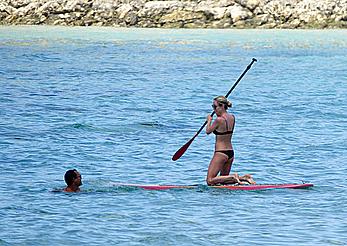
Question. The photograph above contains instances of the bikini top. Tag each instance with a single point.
(215, 132)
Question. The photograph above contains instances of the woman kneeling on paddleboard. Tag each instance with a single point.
(223, 157)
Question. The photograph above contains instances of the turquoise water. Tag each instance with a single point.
(117, 103)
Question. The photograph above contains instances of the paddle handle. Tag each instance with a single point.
(232, 88)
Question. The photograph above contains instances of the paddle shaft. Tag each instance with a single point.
(183, 149)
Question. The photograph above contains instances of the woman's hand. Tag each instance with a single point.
(208, 125)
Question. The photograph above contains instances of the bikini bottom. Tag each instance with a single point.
(229, 153)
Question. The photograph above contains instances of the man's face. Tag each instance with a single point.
(78, 179)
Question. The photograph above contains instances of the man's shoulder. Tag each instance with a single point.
(69, 189)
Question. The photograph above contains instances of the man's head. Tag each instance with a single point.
(73, 177)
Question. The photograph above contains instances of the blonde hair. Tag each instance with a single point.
(223, 100)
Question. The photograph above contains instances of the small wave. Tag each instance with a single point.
(4, 243)
(151, 124)
(79, 126)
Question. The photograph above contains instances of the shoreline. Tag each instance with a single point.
(204, 14)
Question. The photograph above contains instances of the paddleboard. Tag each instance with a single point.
(229, 187)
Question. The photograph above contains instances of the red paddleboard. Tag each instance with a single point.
(229, 187)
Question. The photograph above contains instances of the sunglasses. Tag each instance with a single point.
(214, 106)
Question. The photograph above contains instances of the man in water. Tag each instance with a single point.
(73, 179)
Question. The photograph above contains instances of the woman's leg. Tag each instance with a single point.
(227, 167)
(217, 164)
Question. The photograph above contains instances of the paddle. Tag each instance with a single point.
(183, 149)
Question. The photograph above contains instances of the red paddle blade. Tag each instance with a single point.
(183, 149)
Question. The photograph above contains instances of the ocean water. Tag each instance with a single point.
(117, 103)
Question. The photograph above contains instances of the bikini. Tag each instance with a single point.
(229, 153)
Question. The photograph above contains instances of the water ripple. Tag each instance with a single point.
(117, 103)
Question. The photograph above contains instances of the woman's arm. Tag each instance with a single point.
(210, 127)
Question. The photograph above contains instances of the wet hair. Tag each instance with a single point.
(223, 100)
(69, 176)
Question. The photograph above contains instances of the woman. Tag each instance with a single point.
(223, 156)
